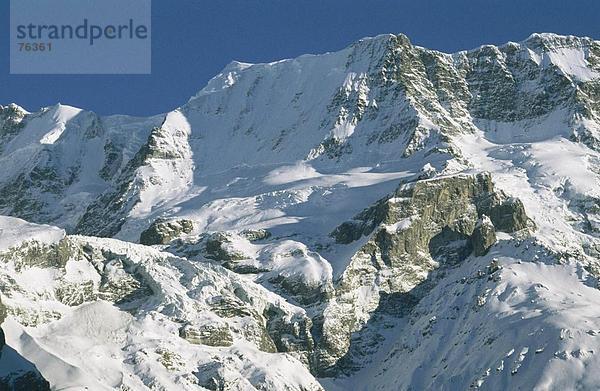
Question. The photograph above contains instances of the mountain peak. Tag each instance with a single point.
(548, 41)
(13, 107)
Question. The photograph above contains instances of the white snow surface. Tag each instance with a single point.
(101, 345)
(13, 232)
(533, 327)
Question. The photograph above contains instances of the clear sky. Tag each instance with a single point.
(192, 40)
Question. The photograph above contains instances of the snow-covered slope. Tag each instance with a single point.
(513, 319)
(383, 216)
(107, 315)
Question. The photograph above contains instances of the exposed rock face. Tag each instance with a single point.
(255, 235)
(425, 225)
(11, 120)
(19, 198)
(162, 232)
(483, 236)
(28, 381)
(218, 247)
(107, 214)
(209, 334)
(507, 215)
(218, 376)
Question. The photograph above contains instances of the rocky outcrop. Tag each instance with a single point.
(232, 375)
(44, 255)
(424, 226)
(208, 334)
(506, 214)
(164, 231)
(483, 236)
(20, 197)
(11, 120)
(24, 381)
(255, 235)
(218, 246)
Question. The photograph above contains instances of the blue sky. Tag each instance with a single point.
(194, 39)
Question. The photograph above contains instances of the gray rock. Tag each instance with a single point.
(425, 225)
(163, 231)
(217, 248)
(208, 334)
(217, 376)
(24, 381)
(509, 215)
(255, 235)
(11, 120)
(483, 236)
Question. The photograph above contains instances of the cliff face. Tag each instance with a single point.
(425, 225)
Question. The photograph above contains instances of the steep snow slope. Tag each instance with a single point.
(514, 319)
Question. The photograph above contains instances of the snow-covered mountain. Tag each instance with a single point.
(381, 217)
